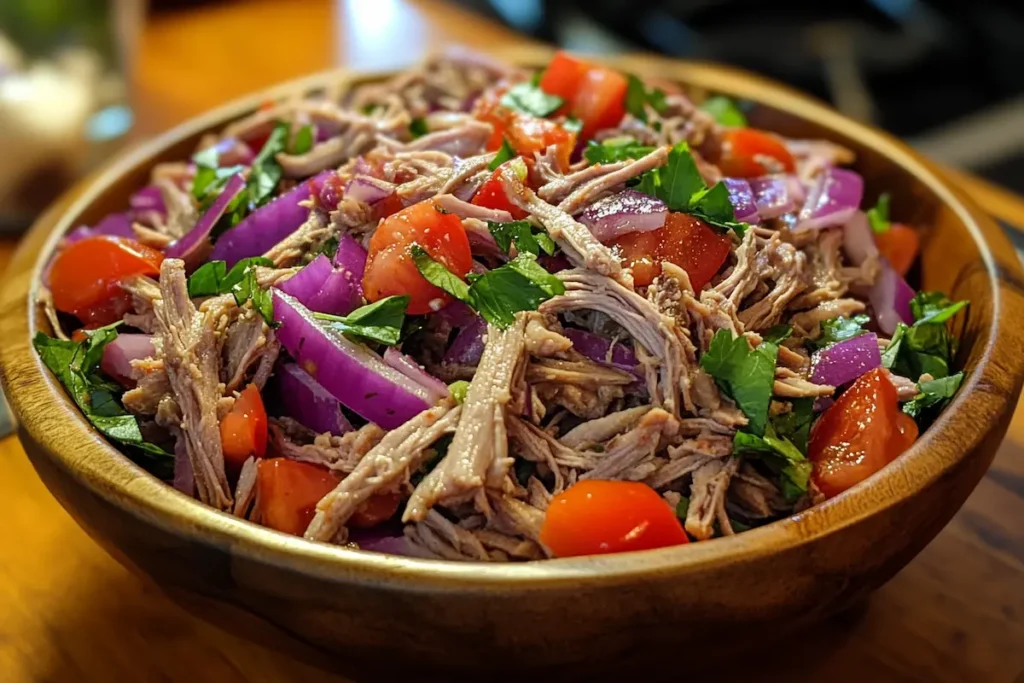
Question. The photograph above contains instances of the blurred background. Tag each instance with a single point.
(81, 78)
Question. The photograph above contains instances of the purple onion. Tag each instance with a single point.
(148, 199)
(351, 259)
(119, 354)
(352, 373)
(456, 314)
(411, 369)
(382, 539)
(890, 298)
(595, 347)
(468, 345)
(623, 213)
(184, 477)
(833, 199)
(114, 225)
(306, 283)
(858, 239)
(368, 190)
(741, 196)
(192, 247)
(303, 399)
(339, 294)
(845, 361)
(772, 196)
(267, 225)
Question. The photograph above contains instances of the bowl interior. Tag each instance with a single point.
(964, 254)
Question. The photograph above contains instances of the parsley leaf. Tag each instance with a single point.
(746, 375)
(530, 99)
(679, 184)
(303, 139)
(725, 111)
(837, 330)
(522, 234)
(777, 334)
(615, 149)
(878, 217)
(418, 127)
(573, 125)
(933, 307)
(683, 507)
(76, 366)
(781, 456)
(519, 285)
(458, 390)
(796, 424)
(638, 96)
(329, 248)
(934, 396)
(379, 322)
(504, 154)
(210, 179)
(213, 278)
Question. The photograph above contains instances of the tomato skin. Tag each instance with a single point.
(390, 269)
(859, 434)
(243, 431)
(594, 94)
(492, 195)
(379, 508)
(748, 153)
(899, 245)
(597, 517)
(86, 274)
(288, 492)
(528, 135)
(563, 77)
(684, 240)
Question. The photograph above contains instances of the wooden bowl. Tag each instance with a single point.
(379, 613)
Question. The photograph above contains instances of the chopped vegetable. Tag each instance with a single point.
(458, 390)
(303, 139)
(833, 200)
(878, 216)
(305, 400)
(638, 97)
(899, 245)
(746, 375)
(243, 431)
(862, 432)
(492, 195)
(748, 153)
(625, 212)
(837, 330)
(890, 297)
(214, 278)
(777, 334)
(119, 353)
(685, 240)
(933, 398)
(741, 196)
(601, 350)
(411, 369)
(288, 492)
(725, 111)
(615, 149)
(523, 235)
(596, 517)
(594, 94)
(418, 127)
(781, 456)
(505, 153)
(845, 361)
(773, 195)
(926, 346)
(379, 322)
(529, 99)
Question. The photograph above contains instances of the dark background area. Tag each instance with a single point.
(946, 76)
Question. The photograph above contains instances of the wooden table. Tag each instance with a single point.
(70, 613)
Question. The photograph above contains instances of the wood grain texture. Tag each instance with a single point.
(71, 613)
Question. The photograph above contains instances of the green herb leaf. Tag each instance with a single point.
(379, 322)
(303, 139)
(329, 248)
(933, 308)
(796, 424)
(837, 330)
(683, 507)
(504, 154)
(530, 99)
(210, 179)
(746, 375)
(638, 97)
(458, 390)
(615, 149)
(913, 351)
(781, 456)
(213, 278)
(522, 234)
(418, 127)
(76, 366)
(438, 275)
(878, 217)
(777, 334)
(934, 396)
(714, 208)
(573, 125)
(725, 111)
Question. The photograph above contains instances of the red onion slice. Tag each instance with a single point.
(411, 369)
(835, 197)
(741, 196)
(303, 399)
(890, 298)
(118, 355)
(306, 283)
(623, 213)
(772, 196)
(184, 477)
(468, 344)
(193, 246)
(368, 190)
(595, 347)
(858, 239)
(845, 361)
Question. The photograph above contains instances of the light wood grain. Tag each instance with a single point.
(69, 612)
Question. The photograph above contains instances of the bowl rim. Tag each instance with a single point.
(103, 470)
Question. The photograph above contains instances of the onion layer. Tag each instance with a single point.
(623, 213)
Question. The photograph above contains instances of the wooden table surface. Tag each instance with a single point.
(70, 614)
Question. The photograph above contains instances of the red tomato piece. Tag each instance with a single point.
(529, 134)
(563, 77)
(597, 517)
(288, 492)
(85, 276)
(899, 245)
(859, 434)
(748, 152)
(390, 269)
(492, 195)
(243, 431)
(379, 508)
(686, 241)
(601, 100)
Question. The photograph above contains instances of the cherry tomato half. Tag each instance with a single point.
(859, 434)
(594, 94)
(748, 153)
(596, 517)
(243, 431)
(686, 241)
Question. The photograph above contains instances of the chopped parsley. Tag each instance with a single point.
(379, 322)
(303, 139)
(418, 127)
(926, 346)
(523, 235)
(328, 248)
(210, 179)
(573, 125)
(679, 184)
(76, 365)
(725, 111)
(615, 149)
(796, 424)
(528, 98)
(214, 278)
(934, 396)
(878, 217)
(781, 456)
(519, 285)
(504, 154)
(837, 330)
(746, 375)
(777, 334)
(638, 97)
(934, 307)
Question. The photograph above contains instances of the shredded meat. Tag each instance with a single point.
(245, 490)
(541, 340)
(339, 453)
(784, 264)
(906, 388)
(478, 454)
(193, 369)
(806, 323)
(603, 428)
(463, 140)
(789, 384)
(639, 443)
(248, 342)
(707, 498)
(288, 251)
(463, 209)
(182, 213)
